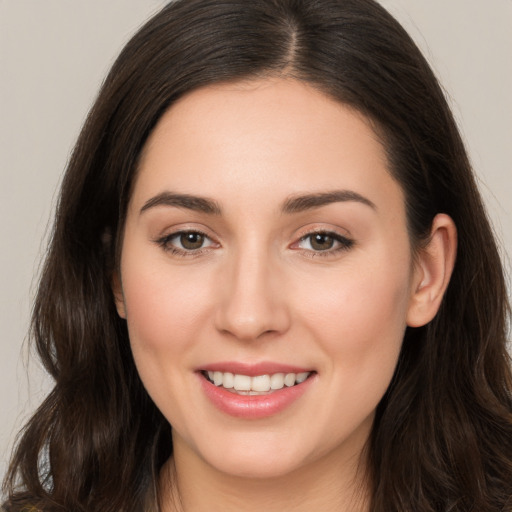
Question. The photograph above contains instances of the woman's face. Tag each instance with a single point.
(265, 244)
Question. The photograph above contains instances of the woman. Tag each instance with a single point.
(269, 237)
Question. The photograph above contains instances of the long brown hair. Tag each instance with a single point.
(442, 437)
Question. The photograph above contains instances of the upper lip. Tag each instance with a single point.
(252, 369)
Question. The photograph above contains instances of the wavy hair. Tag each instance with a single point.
(442, 436)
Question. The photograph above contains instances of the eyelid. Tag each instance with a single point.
(344, 241)
(164, 241)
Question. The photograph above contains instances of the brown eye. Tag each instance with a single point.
(321, 242)
(191, 240)
(324, 243)
(186, 242)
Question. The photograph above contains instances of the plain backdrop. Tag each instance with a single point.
(53, 57)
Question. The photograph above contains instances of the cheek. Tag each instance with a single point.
(164, 309)
(359, 319)
(165, 315)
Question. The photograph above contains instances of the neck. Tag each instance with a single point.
(331, 483)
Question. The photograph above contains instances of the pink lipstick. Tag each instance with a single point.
(253, 391)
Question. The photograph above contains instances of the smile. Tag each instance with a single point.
(255, 385)
(254, 392)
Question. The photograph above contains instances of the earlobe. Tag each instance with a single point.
(433, 270)
(117, 291)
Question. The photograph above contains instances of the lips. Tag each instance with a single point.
(254, 391)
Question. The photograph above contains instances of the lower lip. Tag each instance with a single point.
(253, 406)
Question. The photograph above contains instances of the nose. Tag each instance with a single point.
(252, 299)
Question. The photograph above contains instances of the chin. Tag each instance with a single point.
(256, 468)
(253, 456)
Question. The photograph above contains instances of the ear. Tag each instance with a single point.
(432, 272)
(117, 290)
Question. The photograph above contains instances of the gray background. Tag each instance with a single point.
(53, 56)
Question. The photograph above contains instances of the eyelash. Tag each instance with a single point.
(165, 243)
(344, 244)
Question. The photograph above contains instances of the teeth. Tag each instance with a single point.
(301, 377)
(289, 379)
(228, 380)
(277, 381)
(241, 383)
(217, 378)
(259, 383)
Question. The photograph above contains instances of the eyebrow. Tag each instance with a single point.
(316, 200)
(294, 204)
(190, 202)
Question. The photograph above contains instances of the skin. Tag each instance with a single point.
(258, 290)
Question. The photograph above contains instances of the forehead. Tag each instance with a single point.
(264, 138)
